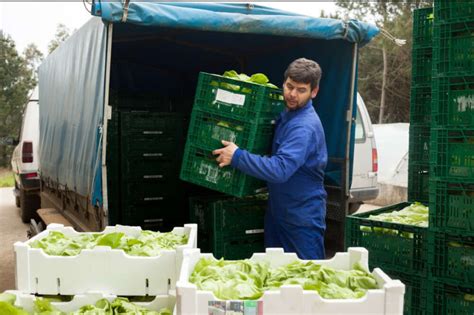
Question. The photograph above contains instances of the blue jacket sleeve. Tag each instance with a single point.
(291, 154)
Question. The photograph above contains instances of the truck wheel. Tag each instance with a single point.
(29, 203)
(17, 198)
(353, 207)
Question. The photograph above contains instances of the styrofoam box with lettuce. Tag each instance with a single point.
(27, 301)
(102, 268)
(292, 299)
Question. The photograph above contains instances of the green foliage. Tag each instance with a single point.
(396, 18)
(148, 243)
(16, 83)
(7, 179)
(248, 280)
(62, 33)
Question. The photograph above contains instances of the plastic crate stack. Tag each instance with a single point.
(451, 235)
(237, 111)
(231, 228)
(144, 154)
(98, 273)
(420, 106)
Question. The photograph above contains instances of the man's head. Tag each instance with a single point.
(301, 82)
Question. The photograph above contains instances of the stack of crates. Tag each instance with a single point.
(402, 250)
(232, 110)
(230, 228)
(144, 154)
(451, 235)
(420, 106)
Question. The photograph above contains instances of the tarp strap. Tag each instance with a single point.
(125, 11)
(346, 29)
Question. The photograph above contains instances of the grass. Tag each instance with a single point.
(6, 178)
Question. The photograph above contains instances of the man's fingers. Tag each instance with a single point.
(216, 152)
(221, 164)
(225, 143)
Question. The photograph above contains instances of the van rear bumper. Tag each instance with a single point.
(362, 194)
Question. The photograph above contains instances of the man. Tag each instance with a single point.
(295, 219)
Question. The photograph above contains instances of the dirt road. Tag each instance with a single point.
(11, 230)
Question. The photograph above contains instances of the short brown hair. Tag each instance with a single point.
(304, 70)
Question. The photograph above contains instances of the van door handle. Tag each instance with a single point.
(372, 174)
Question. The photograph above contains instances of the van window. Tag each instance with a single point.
(359, 128)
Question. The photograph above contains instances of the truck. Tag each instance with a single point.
(116, 97)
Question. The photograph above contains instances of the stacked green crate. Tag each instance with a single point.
(229, 227)
(420, 106)
(150, 155)
(400, 250)
(451, 235)
(232, 110)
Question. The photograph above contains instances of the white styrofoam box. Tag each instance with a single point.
(26, 301)
(99, 269)
(292, 299)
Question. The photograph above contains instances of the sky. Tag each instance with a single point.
(36, 22)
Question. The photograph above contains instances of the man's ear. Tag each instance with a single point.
(314, 92)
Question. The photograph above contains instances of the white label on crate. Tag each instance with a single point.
(152, 154)
(256, 231)
(158, 132)
(230, 98)
(152, 176)
(152, 198)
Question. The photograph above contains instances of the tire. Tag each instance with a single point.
(29, 203)
(17, 198)
(353, 207)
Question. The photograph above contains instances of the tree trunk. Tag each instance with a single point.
(384, 83)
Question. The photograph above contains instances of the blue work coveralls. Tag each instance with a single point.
(295, 219)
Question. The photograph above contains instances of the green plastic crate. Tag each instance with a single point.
(200, 167)
(452, 155)
(151, 146)
(419, 144)
(152, 123)
(416, 291)
(453, 101)
(403, 249)
(161, 217)
(447, 299)
(453, 49)
(151, 194)
(420, 105)
(419, 182)
(149, 169)
(453, 10)
(209, 129)
(422, 67)
(452, 257)
(452, 206)
(229, 227)
(237, 99)
(422, 27)
(239, 248)
(229, 217)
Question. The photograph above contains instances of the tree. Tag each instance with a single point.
(15, 86)
(62, 33)
(33, 57)
(384, 68)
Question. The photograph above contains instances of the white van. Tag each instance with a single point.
(25, 162)
(365, 165)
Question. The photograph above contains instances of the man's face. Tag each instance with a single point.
(297, 94)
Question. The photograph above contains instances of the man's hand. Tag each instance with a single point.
(226, 153)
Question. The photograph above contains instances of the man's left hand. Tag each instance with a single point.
(226, 153)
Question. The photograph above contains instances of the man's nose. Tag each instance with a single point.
(293, 92)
